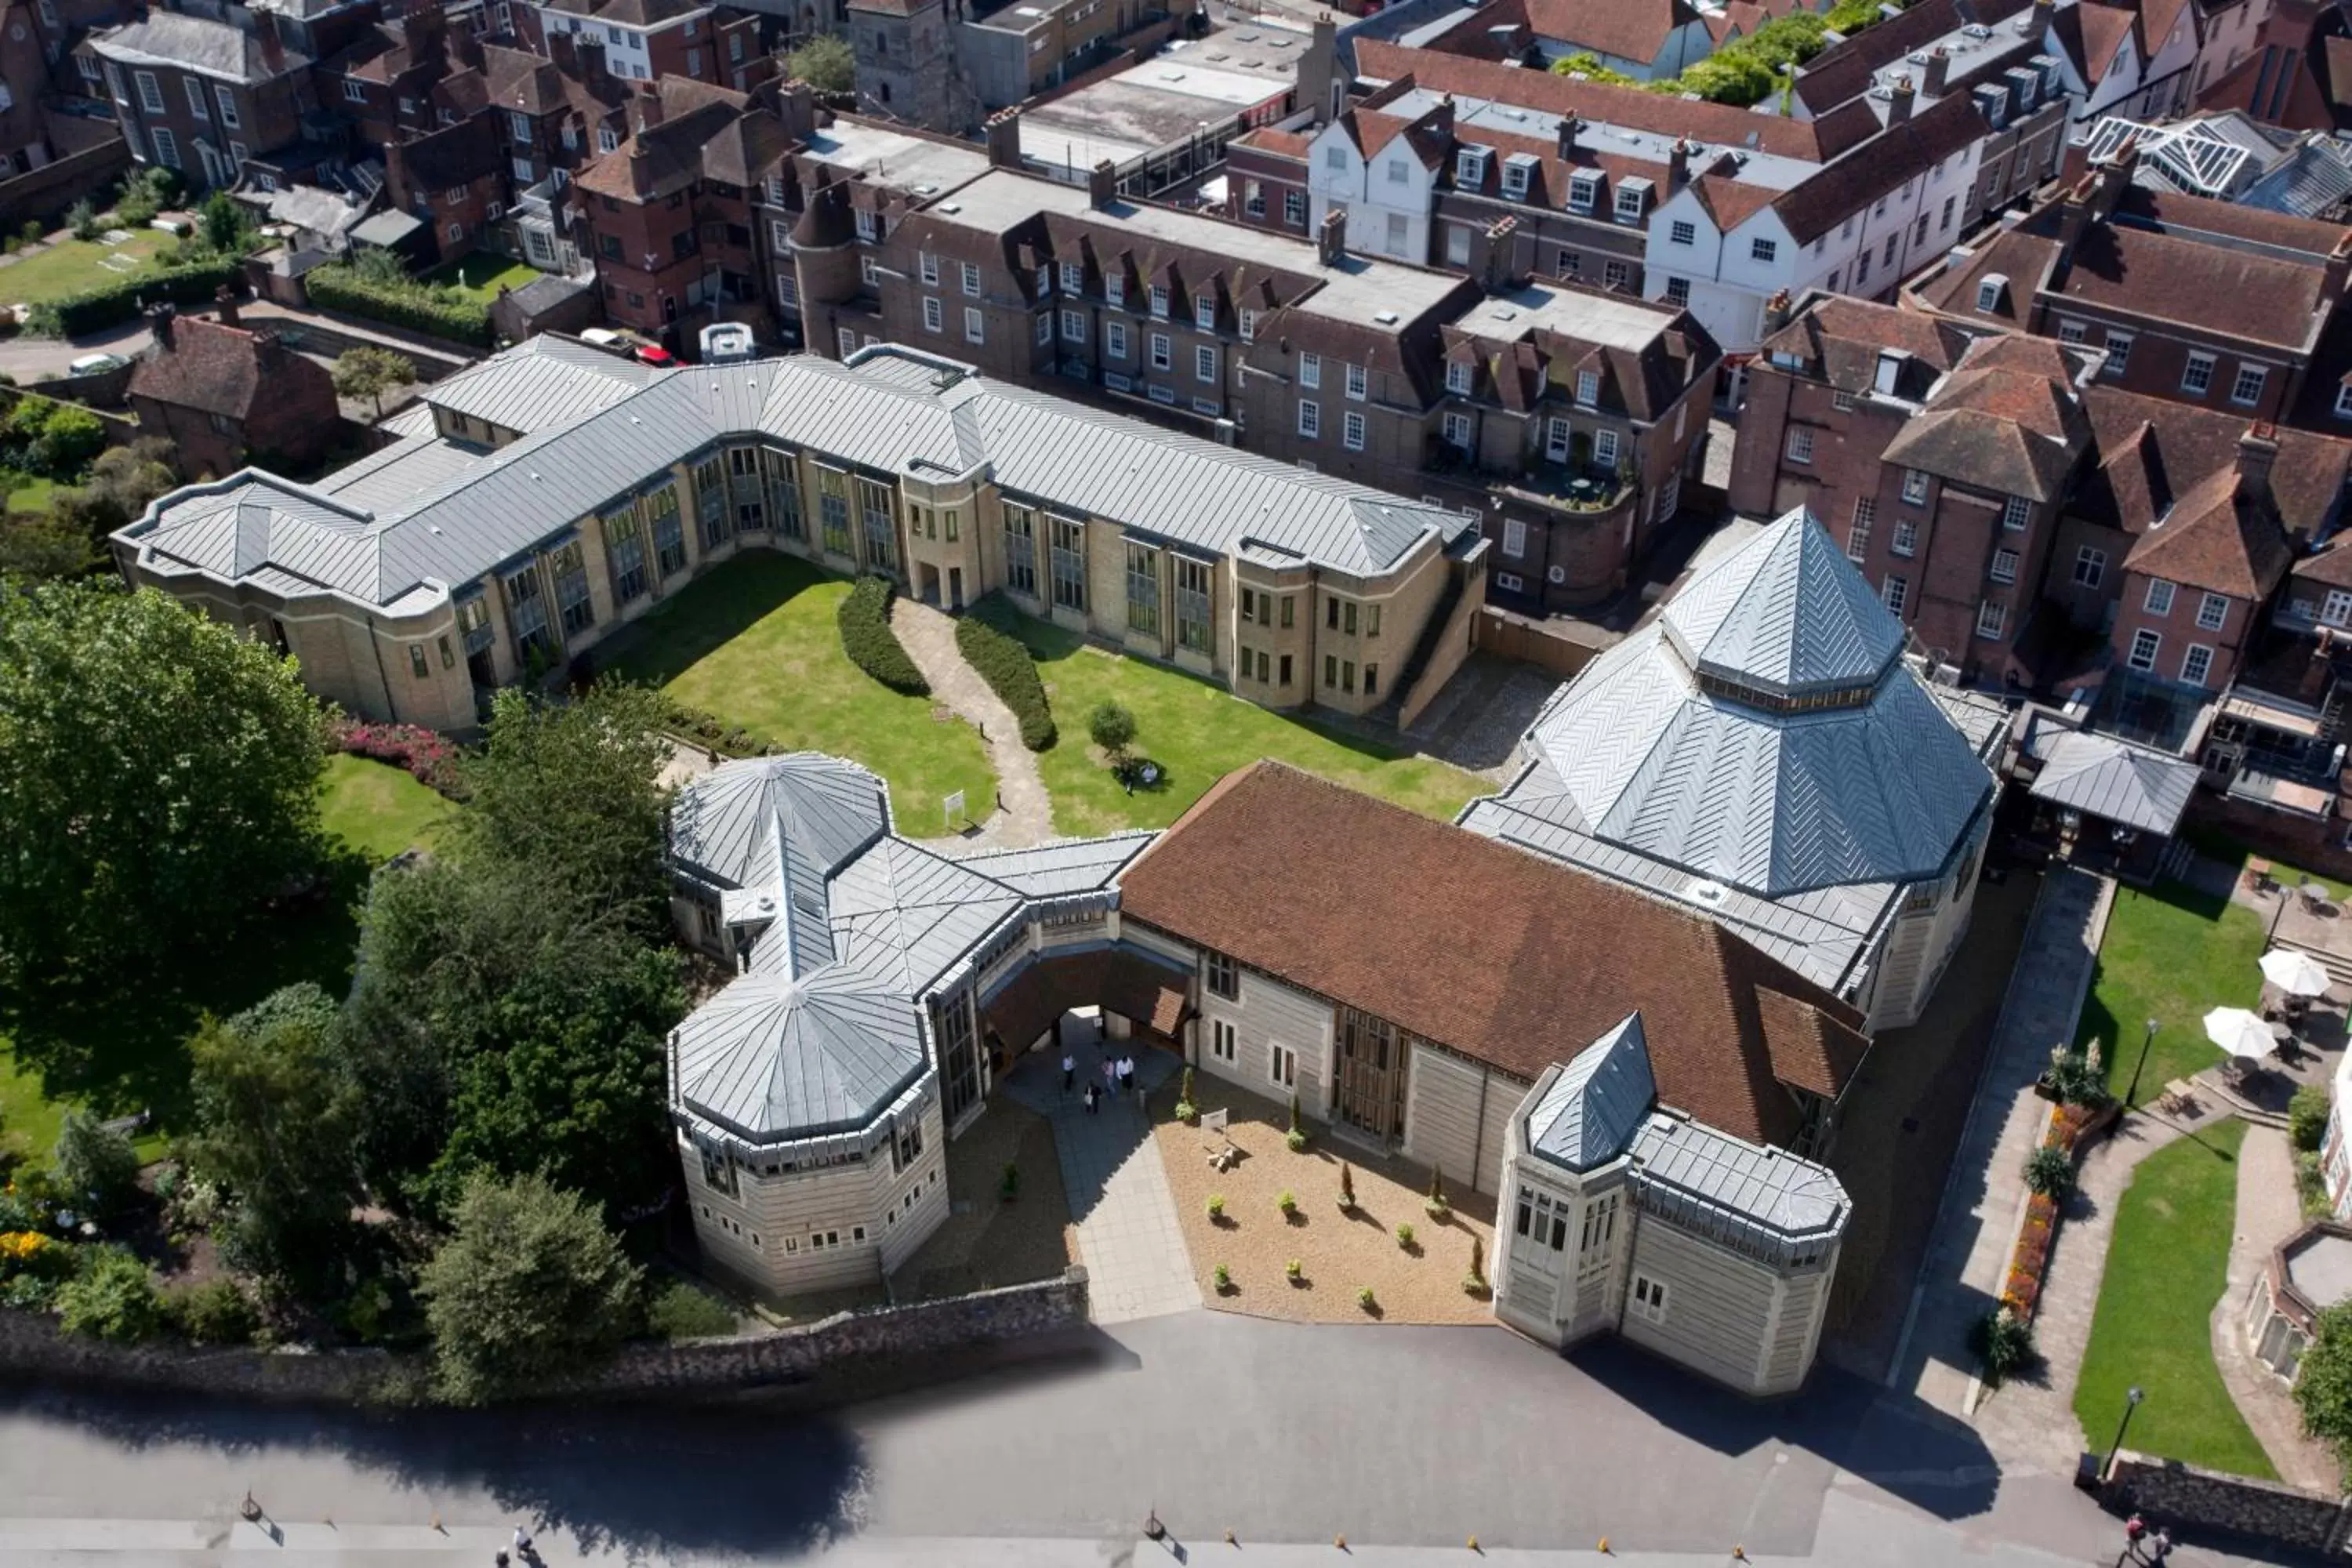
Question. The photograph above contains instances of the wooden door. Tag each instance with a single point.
(1370, 1073)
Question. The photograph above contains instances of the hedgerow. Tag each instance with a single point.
(1005, 662)
(871, 645)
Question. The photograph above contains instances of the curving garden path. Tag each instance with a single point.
(1024, 811)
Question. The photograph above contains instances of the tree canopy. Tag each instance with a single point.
(529, 1285)
(2323, 1386)
(825, 63)
(370, 372)
(159, 778)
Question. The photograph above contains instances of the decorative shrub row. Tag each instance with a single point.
(1003, 661)
(411, 306)
(871, 645)
(2070, 1126)
(111, 304)
(429, 757)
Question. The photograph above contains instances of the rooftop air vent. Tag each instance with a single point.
(1705, 894)
(1385, 318)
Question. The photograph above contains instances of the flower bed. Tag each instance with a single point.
(2071, 1127)
(427, 756)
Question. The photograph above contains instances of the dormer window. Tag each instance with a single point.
(1632, 199)
(1519, 173)
(1584, 190)
(1115, 287)
(1044, 280)
(868, 228)
(1470, 167)
(1588, 387)
(1204, 313)
(1074, 278)
(1160, 301)
(1457, 379)
(1989, 289)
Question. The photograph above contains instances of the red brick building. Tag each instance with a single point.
(224, 395)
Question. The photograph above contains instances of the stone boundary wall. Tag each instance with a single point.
(851, 1345)
(2208, 1505)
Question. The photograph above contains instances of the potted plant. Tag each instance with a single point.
(1289, 1204)
(1295, 1271)
(1404, 1237)
(1216, 1208)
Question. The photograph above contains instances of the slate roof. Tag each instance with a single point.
(1191, 494)
(1592, 1109)
(196, 44)
(541, 382)
(1765, 1200)
(2153, 449)
(1648, 754)
(2116, 782)
(2005, 419)
(1488, 950)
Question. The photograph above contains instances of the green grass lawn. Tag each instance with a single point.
(125, 1053)
(2171, 955)
(756, 644)
(73, 265)
(379, 810)
(2166, 1268)
(1197, 732)
(27, 493)
(482, 273)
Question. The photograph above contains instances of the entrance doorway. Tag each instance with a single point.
(928, 580)
(955, 587)
(1371, 1074)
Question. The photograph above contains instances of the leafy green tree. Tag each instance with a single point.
(82, 218)
(274, 1134)
(1588, 65)
(373, 264)
(158, 777)
(98, 1170)
(370, 373)
(568, 796)
(112, 1296)
(70, 438)
(2323, 1386)
(37, 546)
(1112, 728)
(825, 63)
(227, 226)
(529, 1285)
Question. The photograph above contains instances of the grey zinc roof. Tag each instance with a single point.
(388, 479)
(1767, 800)
(723, 822)
(1058, 871)
(873, 414)
(1589, 1114)
(197, 44)
(1786, 612)
(544, 382)
(1766, 1201)
(814, 1055)
(2116, 782)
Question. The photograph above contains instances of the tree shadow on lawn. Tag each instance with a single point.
(705, 616)
(124, 1048)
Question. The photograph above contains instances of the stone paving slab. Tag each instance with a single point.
(2269, 1211)
(1128, 1237)
(1022, 812)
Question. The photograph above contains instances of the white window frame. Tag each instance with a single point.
(2004, 566)
(934, 315)
(1798, 447)
(975, 324)
(1073, 326)
(2197, 374)
(1515, 538)
(1992, 620)
(2147, 644)
(1310, 419)
(2202, 655)
(1648, 1298)
(971, 280)
(2157, 601)
(1205, 363)
(2246, 390)
(1351, 430)
(1358, 382)
(2212, 613)
(1225, 1041)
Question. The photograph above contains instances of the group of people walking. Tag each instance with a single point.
(1117, 1077)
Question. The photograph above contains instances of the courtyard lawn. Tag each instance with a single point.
(755, 642)
(71, 266)
(482, 273)
(1197, 732)
(27, 493)
(2166, 1268)
(2172, 954)
(379, 810)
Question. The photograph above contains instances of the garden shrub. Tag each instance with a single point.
(111, 304)
(1003, 661)
(429, 757)
(682, 1311)
(2050, 1171)
(213, 1313)
(110, 1297)
(2306, 1116)
(445, 312)
(2004, 1343)
(871, 645)
(55, 440)
(98, 1169)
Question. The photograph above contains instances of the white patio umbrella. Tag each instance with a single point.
(2240, 1033)
(2296, 973)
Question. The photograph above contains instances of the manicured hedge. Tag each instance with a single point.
(1004, 663)
(111, 304)
(413, 307)
(871, 645)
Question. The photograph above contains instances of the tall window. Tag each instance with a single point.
(1896, 593)
(569, 565)
(669, 531)
(1069, 563)
(2090, 566)
(625, 554)
(1857, 535)
(527, 615)
(1915, 487)
(2004, 566)
(2212, 612)
(833, 511)
(2145, 645)
(1220, 977)
(1143, 589)
(2248, 387)
(2159, 597)
(1358, 381)
(1800, 444)
(2196, 665)
(1992, 619)
(1021, 550)
(2198, 375)
(1192, 626)
(784, 492)
(881, 527)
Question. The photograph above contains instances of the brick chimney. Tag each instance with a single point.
(162, 316)
(1777, 311)
(465, 44)
(2257, 450)
(225, 298)
(1569, 126)
(1102, 185)
(1901, 95)
(1931, 75)
(2075, 217)
(2111, 176)
(1331, 240)
(273, 49)
(796, 107)
(1003, 135)
(1490, 255)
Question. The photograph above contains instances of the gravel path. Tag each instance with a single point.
(2268, 1212)
(1025, 812)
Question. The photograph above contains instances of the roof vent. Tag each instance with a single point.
(1705, 894)
(1385, 318)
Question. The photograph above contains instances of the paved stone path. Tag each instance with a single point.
(2268, 1212)
(1984, 1199)
(1128, 1237)
(1477, 720)
(1026, 814)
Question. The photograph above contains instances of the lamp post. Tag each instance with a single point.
(2131, 1095)
(2131, 1396)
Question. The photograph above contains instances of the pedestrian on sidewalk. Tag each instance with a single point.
(1069, 1072)
(2160, 1548)
(2133, 1529)
(1091, 1093)
(522, 1542)
(1110, 1076)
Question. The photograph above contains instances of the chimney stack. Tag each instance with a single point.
(225, 298)
(1102, 185)
(162, 316)
(1569, 126)
(1931, 76)
(796, 107)
(1320, 82)
(2336, 270)
(1678, 164)
(1490, 255)
(2257, 450)
(1777, 311)
(1003, 132)
(1331, 240)
(2109, 177)
(1898, 102)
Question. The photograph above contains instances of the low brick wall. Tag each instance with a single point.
(847, 1346)
(2207, 1505)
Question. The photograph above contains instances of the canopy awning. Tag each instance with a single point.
(2116, 782)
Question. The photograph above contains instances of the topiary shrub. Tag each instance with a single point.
(1288, 1202)
(2307, 1116)
(1295, 1271)
(1365, 1299)
(2050, 1171)
(1217, 1208)
(1474, 1283)
(871, 645)
(1347, 1186)
(1435, 1205)
(2003, 1341)
(1296, 1137)
(1404, 1237)
(1223, 1277)
(1003, 661)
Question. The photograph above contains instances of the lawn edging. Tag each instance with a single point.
(1005, 662)
(871, 645)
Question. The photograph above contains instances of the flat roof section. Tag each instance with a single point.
(1188, 87)
(911, 161)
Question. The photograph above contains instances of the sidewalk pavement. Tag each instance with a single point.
(2269, 1211)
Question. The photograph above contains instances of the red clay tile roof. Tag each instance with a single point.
(1505, 957)
(1630, 29)
(2217, 537)
(2105, 30)
(2184, 444)
(215, 368)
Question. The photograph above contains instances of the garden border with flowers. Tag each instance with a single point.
(425, 756)
(2070, 1127)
